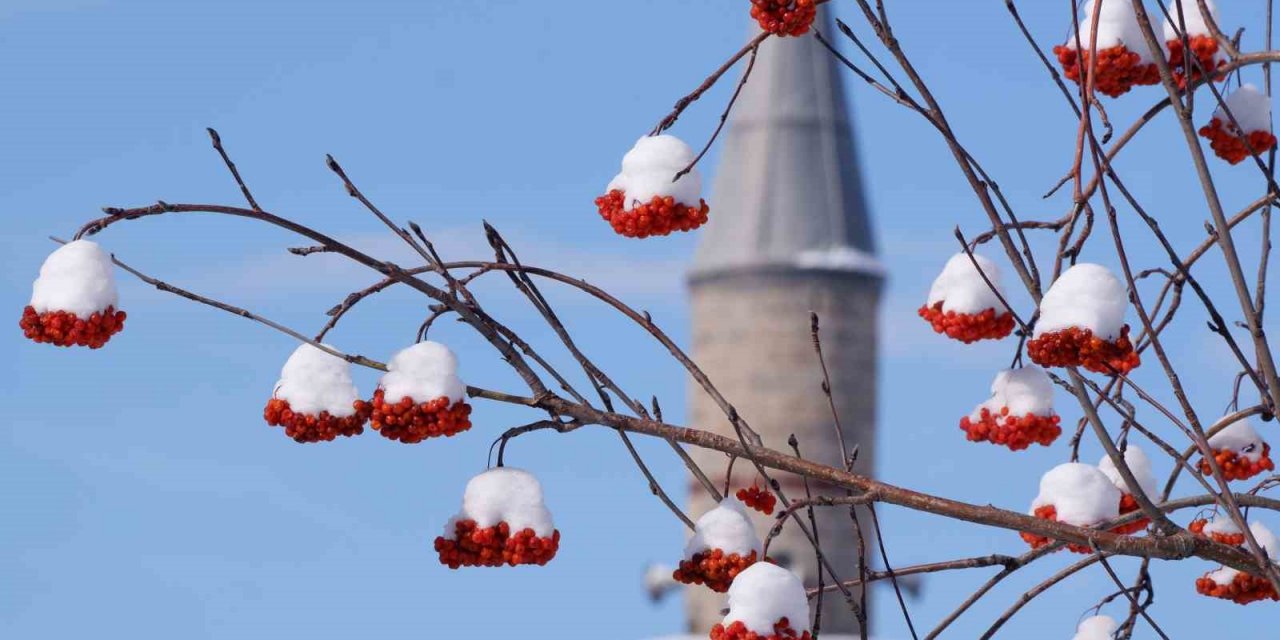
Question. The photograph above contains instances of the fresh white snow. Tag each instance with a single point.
(961, 288)
(726, 527)
(649, 166)
(1025, 391)
(314, 380)
(1088, 296)
(423, 372)
(506, 495)
(1266, 540)
(1251, 108)
(763, 594)
(78, 279)
(1097, 628)
(1117, 25)
(1140, 465)
(1222, 524)
(1191, 17)
(1240, 437)
(1081, 494)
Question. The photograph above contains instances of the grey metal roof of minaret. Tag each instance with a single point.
(788, 193)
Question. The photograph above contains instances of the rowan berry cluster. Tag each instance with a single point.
(306, 427)
(714, 568)
(1129, 504)
(1015, 432)
(1204, 48)
(782, 630)
(658, 217)
(1118, 69)
(1226, 142)
(1244, 588)
(411, 422)
(1238, 467)
(1078, 347)
(1197, 527)
(495, 546)
(757, 498)
(968, 327)
(784, 17)
(65, 329)
(1049, 512)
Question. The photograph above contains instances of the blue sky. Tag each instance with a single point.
(142, 494)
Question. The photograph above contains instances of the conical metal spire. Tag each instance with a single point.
(788, 192)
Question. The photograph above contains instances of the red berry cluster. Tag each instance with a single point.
(495, 546)
(782, 630)
(1227, 144)
(1015, 432)
(1243, 589)
(714, 568)
(784, 17)
(1237, 467)
(1129, 504)
(968, 327)
(758, 499)
(307, 427)
(1118, 70)
(1076, 347)
(411, 423)
(1049, 512)
(1197, 527)
(658, 217)
(1204, 48)
(64, 329)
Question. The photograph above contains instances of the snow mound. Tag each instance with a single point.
(1097, 628)
(78, 279)
(1080, 494)
(505, 495)
(313, 381)
(726, 527)
(765, 593)
(1267, 540)
(1140, 465)
(1222, 524)
(1117, 26)
(1251, 108)
(423, 372)
(1241, 438)
(960, 287)
(1192, 18)
(649, 166)
(1087, 296)
(1025, 391)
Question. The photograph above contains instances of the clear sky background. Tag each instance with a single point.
(141, 494)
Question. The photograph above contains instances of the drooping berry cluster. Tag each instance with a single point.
(306, 427)
(1204, 50)
(1238, 467)
(782, 630)
(784, 17)
(714, 568)
(495, 546)
(1197, 527)
(1227, 144)
(1077, 347)
(1049, 512)
(757, 498)
(1244, 588)
(411, 423)
(968, 327)
(658, 217)
(1129, 504)
(1118, 69)
(1015, 432)
(65, 329)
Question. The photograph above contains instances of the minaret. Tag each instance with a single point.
(789, 233)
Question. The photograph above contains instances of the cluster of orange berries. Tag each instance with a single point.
(782, 630)
(1015, 432)
(1129, 504)
(1204, 49)
(495, 546)
(658, 217)
(1197, 527)
(1227, 144)
(714, 568)
(1244, 588)
(306, 427)
(1049, 512)
(1237, 467)
(968, 327)
(65, 329)
(784, 17)
(758, 499)
(1118, 69)
(411, 422)
(1077, 347)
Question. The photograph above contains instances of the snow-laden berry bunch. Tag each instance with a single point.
(421, 395)
(784, 17)
(758, 498)
(1240, 587)
(724, 543)
(1221, 529)
(645, 199)
(1252, 112)
(315, 399)
(766, 602)
(73, 300)
(1140, 466)
(1205, 54)
(1097, 628)
(963, 306)
(1076, 494)
(1019, 412)
(1082, 323)
(1239, 451)
(1124, 61)
(503, 522)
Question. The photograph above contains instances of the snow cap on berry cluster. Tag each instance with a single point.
(765, 593)
(423, 372)
(648, 168)
(77, 278)
(726, 527)
(1117, 25)
(1087, 296)
(1025, 391)
(1222, 524)
(505, 495)
(1139, 465)
(1192, 18)
(1097, 628)
(1267, 540)
(314, 380)
(1241, 438)
(1080, 494)
(960, 287)
(1251, 108)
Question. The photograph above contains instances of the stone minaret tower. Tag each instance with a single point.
(789, 233)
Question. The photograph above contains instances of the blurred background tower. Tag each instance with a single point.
(789, 233)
